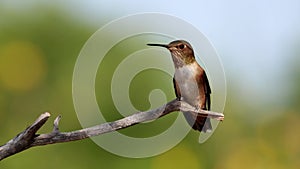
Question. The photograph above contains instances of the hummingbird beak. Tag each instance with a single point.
(161, 45)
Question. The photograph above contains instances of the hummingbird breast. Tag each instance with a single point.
(186, 78)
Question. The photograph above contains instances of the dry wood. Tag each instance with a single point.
(28, 138)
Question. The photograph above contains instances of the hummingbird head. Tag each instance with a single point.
(181, 51)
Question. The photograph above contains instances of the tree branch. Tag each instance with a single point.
(28, 138)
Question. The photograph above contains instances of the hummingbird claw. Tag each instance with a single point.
(220, 118)
(197, 108)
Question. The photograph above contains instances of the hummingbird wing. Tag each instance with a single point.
(203, 123)
(207, 91)
(177, 90)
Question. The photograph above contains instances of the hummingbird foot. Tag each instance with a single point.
(197, 108)
(179, 98)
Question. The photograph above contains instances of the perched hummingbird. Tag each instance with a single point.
(190, 82)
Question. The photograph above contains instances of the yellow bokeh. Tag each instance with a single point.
(291, 137)
(249, 154)
(178, 157)
(22, 66)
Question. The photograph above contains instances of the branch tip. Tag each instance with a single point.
(56, 123)
(46, 114)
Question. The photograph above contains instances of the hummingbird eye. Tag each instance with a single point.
(181, 46)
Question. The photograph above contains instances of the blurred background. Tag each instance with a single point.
(258, 43)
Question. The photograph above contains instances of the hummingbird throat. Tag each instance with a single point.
(180, 61)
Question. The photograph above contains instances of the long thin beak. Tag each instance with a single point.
(161, 45)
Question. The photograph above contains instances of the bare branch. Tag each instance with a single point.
(23, 140)
(28, 138)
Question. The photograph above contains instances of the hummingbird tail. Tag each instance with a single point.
(199, 123)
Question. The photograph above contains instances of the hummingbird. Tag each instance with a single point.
(190, 83)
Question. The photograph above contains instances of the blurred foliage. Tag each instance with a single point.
(38, 50)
